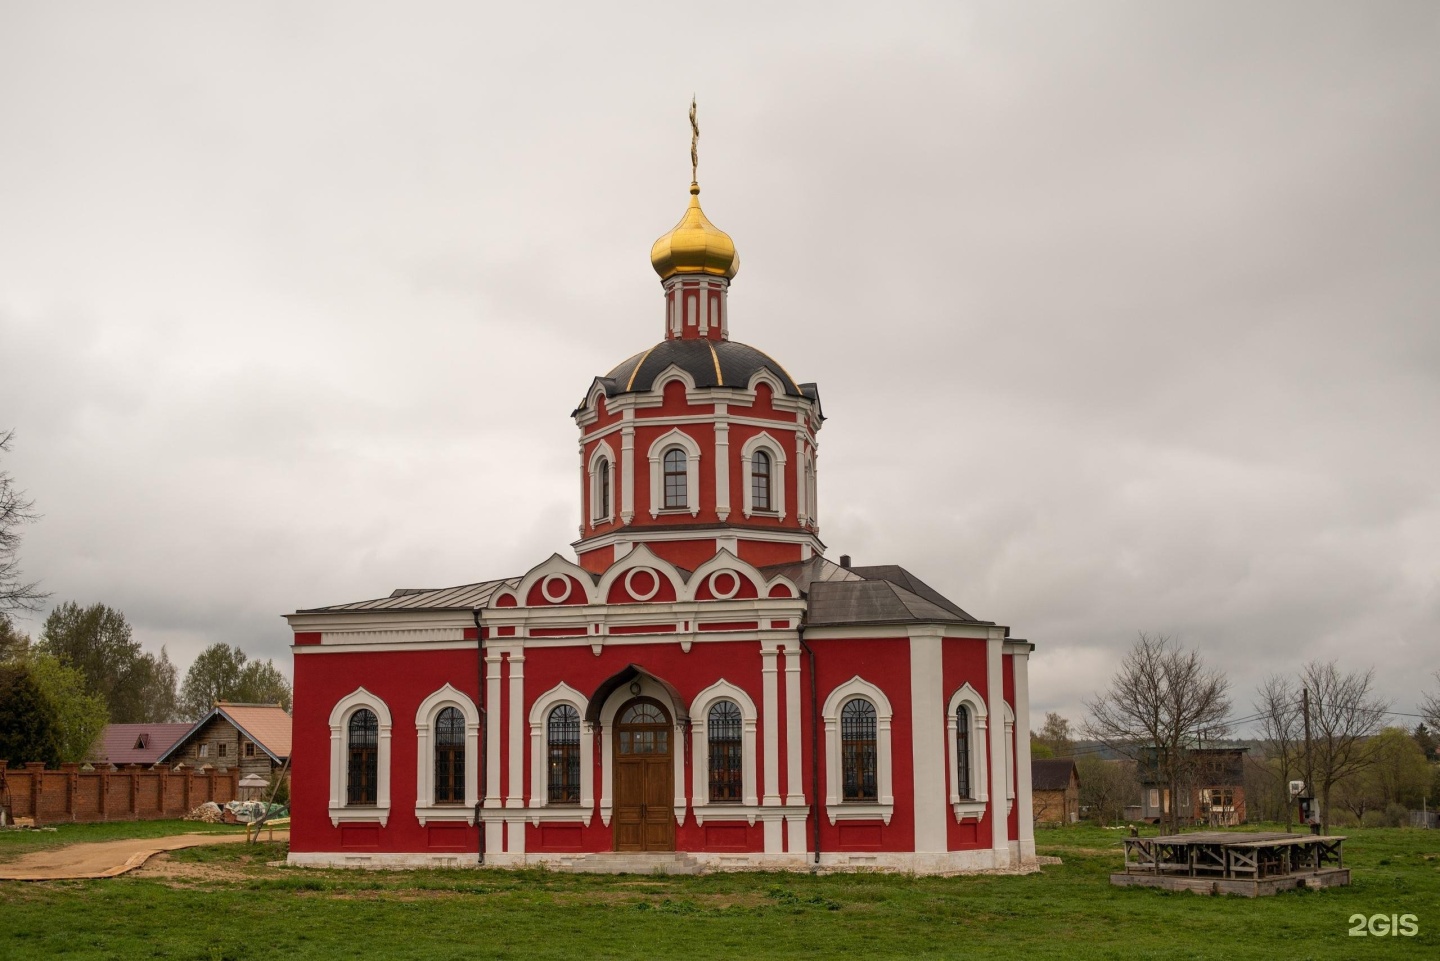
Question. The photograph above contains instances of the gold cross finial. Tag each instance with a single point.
(694, 143)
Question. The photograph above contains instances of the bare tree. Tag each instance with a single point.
(1106, 787)
(1344, 717)
(1162, 702)
(16, 510)
(1430, 707)
(1282, 728)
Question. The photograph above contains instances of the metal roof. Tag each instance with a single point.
(136, 743)
(712, 363)
(266, 724)
(1052, 774)
(463, 598)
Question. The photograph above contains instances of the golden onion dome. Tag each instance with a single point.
(695, 246)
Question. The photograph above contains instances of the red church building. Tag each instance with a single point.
(699, 680)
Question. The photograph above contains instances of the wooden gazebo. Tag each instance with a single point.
(1224, 862)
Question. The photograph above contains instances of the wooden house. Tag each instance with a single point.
(1056, 786)
(253, 738)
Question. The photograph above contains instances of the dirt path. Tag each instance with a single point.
(105, 859)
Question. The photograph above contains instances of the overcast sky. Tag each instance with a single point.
(1124, 315)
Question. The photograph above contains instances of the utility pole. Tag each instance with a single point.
(1309, 771)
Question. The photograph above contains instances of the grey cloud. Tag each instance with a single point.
(1123, 313)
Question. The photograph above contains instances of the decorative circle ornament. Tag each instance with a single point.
(564, 588)
(724, 593)
(642, 595)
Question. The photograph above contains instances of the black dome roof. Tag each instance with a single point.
(712, 363)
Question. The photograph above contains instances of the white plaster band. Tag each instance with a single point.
(642, 595)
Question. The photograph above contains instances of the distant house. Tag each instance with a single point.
(121, 744)
(255, 738)
(1213, 794)
(1056, 786)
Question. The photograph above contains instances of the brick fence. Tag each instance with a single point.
(131, 793)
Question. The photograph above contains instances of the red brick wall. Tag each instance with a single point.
(132, 793)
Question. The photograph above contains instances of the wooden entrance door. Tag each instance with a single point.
(644, 777)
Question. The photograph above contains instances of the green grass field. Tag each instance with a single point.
(225, 903)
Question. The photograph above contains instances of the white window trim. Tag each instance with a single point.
(763, 441)
(722, 690)
(561, 693)
(674, 438)
(425, 807)
(1009, 758)
(836, 807)
(603, 452)
(975, 806)
(339, 720)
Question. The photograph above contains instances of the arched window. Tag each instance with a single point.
(602, 484)
(675, 478)
(962, 752)
(760, 481)
(562, 739)
(450, 757)
(857, 750)
(723, 728)
(363, 739)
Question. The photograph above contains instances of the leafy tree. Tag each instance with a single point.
(1056, 735)
(1425, 740)
(27, 721)
(1398, 775)
(97, 641)
(78, 716)
(262, 683)
(13, 644)
(1161, 703)
(225, 673)
(16, 594)
(1039, 750)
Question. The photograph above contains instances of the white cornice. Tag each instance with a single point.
(386, 620)
(408, 646)
(901, 632)
(640, 534)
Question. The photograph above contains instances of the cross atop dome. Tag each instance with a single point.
(696, 261)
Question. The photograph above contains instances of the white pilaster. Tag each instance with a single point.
(1023, 796)
(770, 722)
(627, 467)
(794, 786)
(722, 461)
(927, 739)
(492, 736)
(515, 728)
(995, 707)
